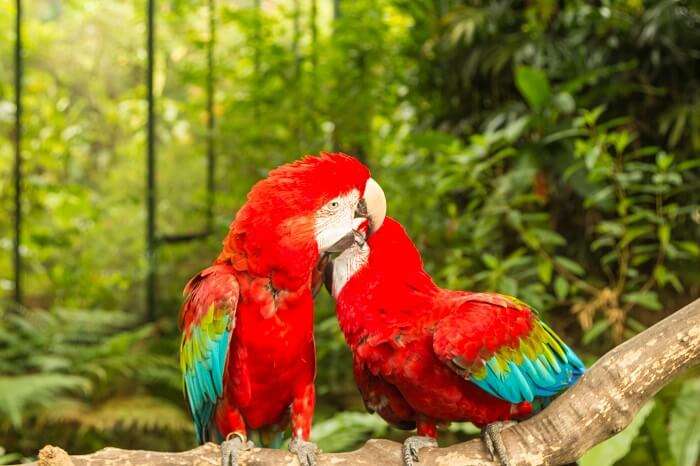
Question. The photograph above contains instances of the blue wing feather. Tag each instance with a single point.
(207, 323)
(204, 382)
(519, 375)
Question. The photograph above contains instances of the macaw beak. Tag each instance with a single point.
(369, 216)
(372, 206)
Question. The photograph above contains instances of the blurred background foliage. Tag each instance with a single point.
(548, 150)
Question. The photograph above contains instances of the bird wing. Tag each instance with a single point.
(499, 343)
(207, 320)
(383, 398)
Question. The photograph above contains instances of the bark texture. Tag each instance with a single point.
(600, 405)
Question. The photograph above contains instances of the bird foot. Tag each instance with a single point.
(491, 436)
(233, 445)
(412, 445)
(305, 451)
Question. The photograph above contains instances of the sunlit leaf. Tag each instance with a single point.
(561, 287)
(533, 85)
(615, 448)
(569, 265)
(647, 299)
(19, 393)
(346, 429)
(595, 331)
(490, 260)
(544, 270)
(684, 426)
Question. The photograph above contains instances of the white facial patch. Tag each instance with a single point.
(335, 220)
(347, 264)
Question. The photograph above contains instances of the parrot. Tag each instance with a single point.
(247, 353)
(424, 355)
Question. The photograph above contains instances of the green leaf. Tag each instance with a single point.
(561, 287)
(513, 130)
(565, 102)
(569, 265)
(656, 430)
(691, 247)
(605, 241)
(635, 325)
(590, 117)
(615, 448)
(684, 426)
(534, 86)
(664, 161)
(135, 413)
(347, 429)
(634, 233)
(548, 236)
(664, 234)
(562, 134)
(490, 260)
(647, 299)
(611, 228)
(600, 196)
(595, 331)
(508, 285)
(9, 458)
(591, 157)
(544, 270)
(661, 274)
(18, 394)
(463, 428)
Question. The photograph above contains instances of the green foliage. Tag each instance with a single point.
(98, 372)
(534, 86)
(8, 458)
(684, 427)
(573, 202)
(20, 393)
(546, 150)
(615, 448)
(344, 430)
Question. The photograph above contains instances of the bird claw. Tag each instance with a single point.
(491, 436)
(305, 451)
(232, 447)
(412, 445)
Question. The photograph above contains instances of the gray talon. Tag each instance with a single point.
(305, 451)
(231, 448)
(491, 436)
(412, 445)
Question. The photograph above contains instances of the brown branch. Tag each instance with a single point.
(603, 403)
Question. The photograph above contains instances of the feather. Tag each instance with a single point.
(206, 317)
(528, 361)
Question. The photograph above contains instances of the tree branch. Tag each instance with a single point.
(600, 405)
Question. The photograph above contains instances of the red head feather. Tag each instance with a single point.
(273, 233)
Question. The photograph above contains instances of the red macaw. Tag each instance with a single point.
(247, 352)
(425, 355)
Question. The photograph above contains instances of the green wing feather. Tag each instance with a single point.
(207, 321)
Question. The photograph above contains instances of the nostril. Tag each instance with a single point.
(361, 210)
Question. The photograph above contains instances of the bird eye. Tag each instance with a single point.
(335, 204)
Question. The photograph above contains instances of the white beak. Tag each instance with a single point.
(376, 204)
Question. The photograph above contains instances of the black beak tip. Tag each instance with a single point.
(328, 276)
(361, 210)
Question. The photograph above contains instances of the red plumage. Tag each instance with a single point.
(253, 309)
(417, 347)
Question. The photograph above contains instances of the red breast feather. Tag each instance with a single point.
(453, 355)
